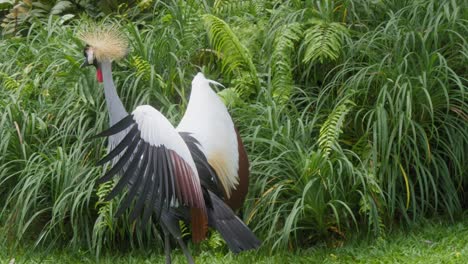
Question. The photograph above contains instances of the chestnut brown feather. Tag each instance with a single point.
(237, 198)
(199, 222)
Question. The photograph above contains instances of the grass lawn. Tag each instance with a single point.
(431, 242)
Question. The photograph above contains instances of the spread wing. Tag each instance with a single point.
(208, 123)
(157, 168)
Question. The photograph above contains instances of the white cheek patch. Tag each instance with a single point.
(90, 54)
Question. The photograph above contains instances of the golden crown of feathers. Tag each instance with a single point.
(108, 42)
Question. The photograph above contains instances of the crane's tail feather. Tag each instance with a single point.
(236, 233)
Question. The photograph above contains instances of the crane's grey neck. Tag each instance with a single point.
(114, 105)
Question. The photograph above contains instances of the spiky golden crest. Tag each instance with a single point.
(107, 43)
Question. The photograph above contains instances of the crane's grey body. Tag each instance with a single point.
(115, 106)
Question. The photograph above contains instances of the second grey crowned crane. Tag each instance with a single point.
(197, 172)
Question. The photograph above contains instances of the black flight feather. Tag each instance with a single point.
(166, 195)
(208, 176)
(124, 181)
(130, 172)
(127, 140)
(160, 191)
(135, 187)
(121, 162)
(153, 189)
(171, 175)
(117, 127)
(237, 235)
(146, 184)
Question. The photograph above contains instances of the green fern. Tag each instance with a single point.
(193, 28)
(323, 41)
(8, 82)
(281, 61)
(236, 6)
(104, 213)
(229, 96)
(234, 56)
(331, 128)
(184, 229)
(104, 221)
(214, 241)
(142, 67)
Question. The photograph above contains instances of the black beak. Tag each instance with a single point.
(85, 63)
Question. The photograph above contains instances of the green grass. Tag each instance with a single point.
(429, 242)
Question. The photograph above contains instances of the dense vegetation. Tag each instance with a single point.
(354, 113)
(436, 241)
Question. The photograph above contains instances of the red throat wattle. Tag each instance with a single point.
(99, 75)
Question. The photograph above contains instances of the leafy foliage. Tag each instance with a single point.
(236, 6)
(26, 11)
(235, 58)
(23, 13)
(281, 60)
(332, 128)
(353, 114)
(323, 41)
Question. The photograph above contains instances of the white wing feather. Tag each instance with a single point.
(157, 130)
(208, 120)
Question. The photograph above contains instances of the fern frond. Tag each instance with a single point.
(142, 67)
(281, 61)
(104, 219)
(229, 96)
(323, 41)
(193, 28)
(234, 56)
(184, 229)
(8, 82)
(331, 128)
(231, 7)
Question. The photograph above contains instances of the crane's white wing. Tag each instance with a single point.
(156, 166)
(209, 123)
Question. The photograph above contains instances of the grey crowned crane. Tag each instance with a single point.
(197, 172)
